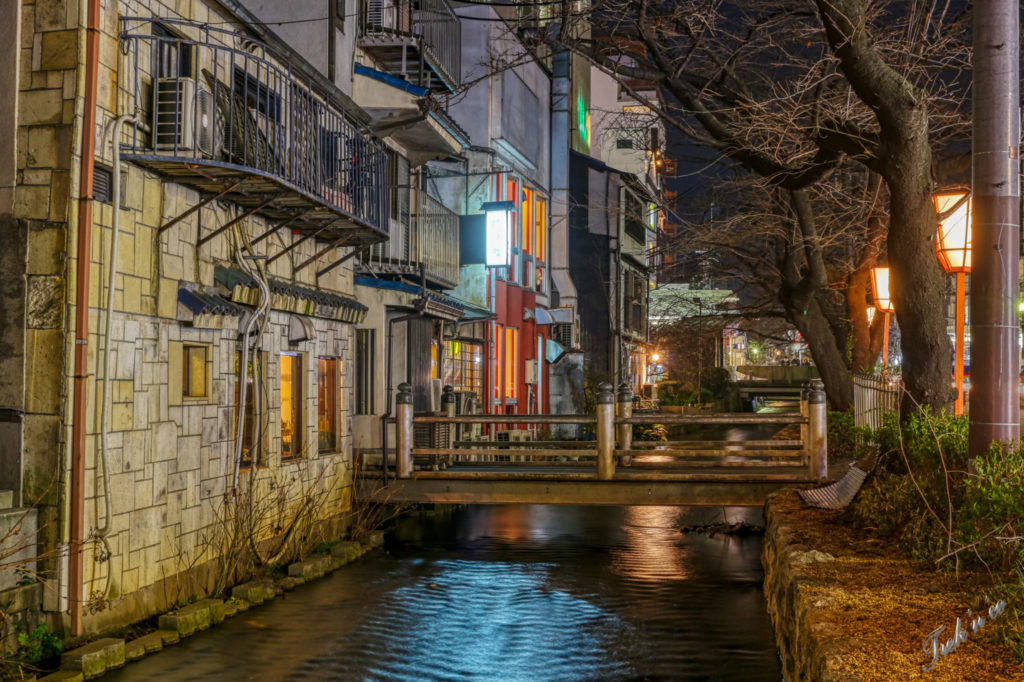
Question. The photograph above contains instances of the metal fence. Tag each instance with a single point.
(433, 21)
(430, 237)
(874, 396)
(219, 98)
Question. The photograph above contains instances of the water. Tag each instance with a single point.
(513, 592)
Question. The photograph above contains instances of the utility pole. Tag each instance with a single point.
(995, 353)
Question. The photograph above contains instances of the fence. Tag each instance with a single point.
(875, 396)
(222, 100)
(614, 423)
(434, 22)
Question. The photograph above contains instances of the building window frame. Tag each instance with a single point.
(365, 363)
(327, 383)
(195, 371)
(253, 438)
(291, 372)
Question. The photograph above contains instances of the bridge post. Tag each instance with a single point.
(605, 432)
(625, 431)
(403, 431)
(805, 431)
(448, 401)
(818, 432)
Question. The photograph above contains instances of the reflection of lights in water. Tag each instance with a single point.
(653, 552)
(495, 620)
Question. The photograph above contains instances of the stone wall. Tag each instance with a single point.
(170, 459)
(804, 655)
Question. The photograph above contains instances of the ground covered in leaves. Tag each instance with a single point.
(872, 610)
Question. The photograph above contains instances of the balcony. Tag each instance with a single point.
(222, 114)
(420, 40)
(426, 236)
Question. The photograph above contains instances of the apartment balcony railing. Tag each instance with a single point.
(223, 114)
(427, 238)
(421, 40)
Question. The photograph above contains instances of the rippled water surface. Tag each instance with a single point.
(517, 592)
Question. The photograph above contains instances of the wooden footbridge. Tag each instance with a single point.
(613, 469)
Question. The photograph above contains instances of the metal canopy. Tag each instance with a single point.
(262, 194)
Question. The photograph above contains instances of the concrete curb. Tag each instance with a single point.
(92, 660)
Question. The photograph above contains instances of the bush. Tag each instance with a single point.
(846, 440)
(38, 645)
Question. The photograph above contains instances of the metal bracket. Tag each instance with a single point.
(203, 202)
(337, 242)
(354, 252)
(295, 244)
(237, 218)
(279, 226)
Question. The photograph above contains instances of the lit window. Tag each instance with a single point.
(542, 229)
(291, 404)
(327, 404)
(511, 362)
(193, 376)
(462, 368)
(526, 217)
(498, 330)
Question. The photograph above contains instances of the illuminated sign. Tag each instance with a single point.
(498, 232)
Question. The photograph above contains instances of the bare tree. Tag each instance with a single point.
(792, 92)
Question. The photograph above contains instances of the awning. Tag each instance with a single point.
(432, 303)
(205, 309)
(554, 316)
(291, 298)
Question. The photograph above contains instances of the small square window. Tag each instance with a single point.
(623, 143)
(193, 376)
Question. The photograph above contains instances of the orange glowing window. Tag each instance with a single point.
(526, 218)
(541, 229)
(511, 362)
(496, 391)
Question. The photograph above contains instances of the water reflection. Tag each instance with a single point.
(515, 592)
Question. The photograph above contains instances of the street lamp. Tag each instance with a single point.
(954, 249)
(883, 303)
(700, 349)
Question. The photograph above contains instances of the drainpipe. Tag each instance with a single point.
(81, 378)
(560, 131)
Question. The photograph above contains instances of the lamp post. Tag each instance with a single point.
(700, 349)
(954, 250)
(883, 303)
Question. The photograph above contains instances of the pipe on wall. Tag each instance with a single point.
(82, 271)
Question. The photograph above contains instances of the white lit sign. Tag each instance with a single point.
(498, 233)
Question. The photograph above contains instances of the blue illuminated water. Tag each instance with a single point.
(515, 592)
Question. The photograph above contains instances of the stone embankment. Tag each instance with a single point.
(846, 607)
(95, 658)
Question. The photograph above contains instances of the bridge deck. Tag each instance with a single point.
(716, 484)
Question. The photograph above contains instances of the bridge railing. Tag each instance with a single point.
(613, 423)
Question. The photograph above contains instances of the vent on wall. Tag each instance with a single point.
(561, 333)
(102, 183)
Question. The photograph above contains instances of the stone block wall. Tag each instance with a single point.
(170, 459)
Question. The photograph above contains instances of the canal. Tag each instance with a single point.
(515, 592)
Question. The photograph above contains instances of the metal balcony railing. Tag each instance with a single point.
(434, 25)
(219, 108)
(429, 238)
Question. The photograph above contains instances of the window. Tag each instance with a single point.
(174, 56)
(542, 229)
(255, 406)
(463, 367)
(257, 95)
(498, 335)
(623, 143)
(526, 217)
(365, 370)
(511, 362)
(291, 404)
(193, 374)
(327, 404)
(338, 8)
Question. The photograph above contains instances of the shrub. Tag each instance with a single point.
(38, 645)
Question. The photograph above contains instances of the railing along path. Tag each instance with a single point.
(614, 445)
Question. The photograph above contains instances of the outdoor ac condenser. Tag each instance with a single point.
(183, 118)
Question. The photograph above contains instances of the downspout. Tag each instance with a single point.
(81, 377)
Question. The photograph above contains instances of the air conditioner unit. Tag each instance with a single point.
(520, 435)
(561, 333)
(435, 395)
(183, 120)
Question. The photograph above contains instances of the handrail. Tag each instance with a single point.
(430, 239)
(614, 434)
